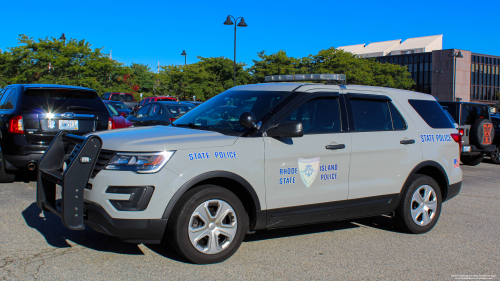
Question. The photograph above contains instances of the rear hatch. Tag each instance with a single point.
(47, 111)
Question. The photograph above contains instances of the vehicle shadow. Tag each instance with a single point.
(56, 234)
(380, 222)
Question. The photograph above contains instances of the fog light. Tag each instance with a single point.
(139, 197)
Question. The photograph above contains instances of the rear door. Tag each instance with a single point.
(47, 111)
(385, 148)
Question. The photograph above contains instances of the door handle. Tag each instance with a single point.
(335, 146)
(407, 141)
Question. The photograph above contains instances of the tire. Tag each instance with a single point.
(482, 133)
(472, 160)
(414, 217)
(495, 156)
(4, 176)
(191, 230)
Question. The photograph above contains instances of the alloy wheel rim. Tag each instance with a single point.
(212, 226)
(423, 205)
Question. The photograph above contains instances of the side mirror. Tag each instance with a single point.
(287, 129)
(248, 120)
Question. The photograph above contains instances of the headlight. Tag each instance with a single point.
(139, 162)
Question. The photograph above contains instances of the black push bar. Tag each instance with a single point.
(73, 179)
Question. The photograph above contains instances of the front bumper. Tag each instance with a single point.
(129, 230)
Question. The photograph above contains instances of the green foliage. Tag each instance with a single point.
(204, 79)
(52, 61)
(358, 71)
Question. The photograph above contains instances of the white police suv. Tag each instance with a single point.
(255, 157)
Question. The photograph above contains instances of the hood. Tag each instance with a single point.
(160, 138)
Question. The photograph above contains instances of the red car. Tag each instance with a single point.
(116, 121)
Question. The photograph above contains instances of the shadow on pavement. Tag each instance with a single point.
(56, 234)
(298, 230)
(166, 250)
(380, 222)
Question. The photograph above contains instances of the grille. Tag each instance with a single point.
(104, 157)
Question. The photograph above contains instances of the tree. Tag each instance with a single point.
(143, 77)
(52, 61)
(358, 71)
(204, 79)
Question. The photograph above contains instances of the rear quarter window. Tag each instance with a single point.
(432, 113)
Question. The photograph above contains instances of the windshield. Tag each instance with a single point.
(222, 112)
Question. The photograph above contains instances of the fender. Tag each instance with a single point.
(426, 164)
(209, 175)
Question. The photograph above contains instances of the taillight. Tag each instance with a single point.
(458, 139)
(16, 125)
(123, 114)
(461, 132)
(111, 124)
(172, 119)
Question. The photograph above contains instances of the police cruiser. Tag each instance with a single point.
(257, 157)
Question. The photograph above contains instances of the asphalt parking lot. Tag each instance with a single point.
(464, 244)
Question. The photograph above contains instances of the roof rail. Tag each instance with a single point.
(329, 78)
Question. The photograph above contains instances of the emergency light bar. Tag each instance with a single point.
(305, 77)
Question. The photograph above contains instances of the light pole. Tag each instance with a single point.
(455, 55)
(185, 56)
(63, 37)
(437, 82)
(241, 24)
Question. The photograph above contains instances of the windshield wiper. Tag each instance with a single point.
(193, 125)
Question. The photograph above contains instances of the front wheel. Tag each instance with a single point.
(208, 224)
(495, 156)
(472, 160)
(420, 206)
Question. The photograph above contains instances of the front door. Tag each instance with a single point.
(307, 176)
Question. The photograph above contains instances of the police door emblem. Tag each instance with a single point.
(308, 169)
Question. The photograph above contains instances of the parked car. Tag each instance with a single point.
(304, 153)
(32, 115)
(160, 113)
(495, 156)
(117, 120)
(121, 107)
(127, 98)
(476, 128)
(153, 99)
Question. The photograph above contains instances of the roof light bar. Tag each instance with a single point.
(305, 77)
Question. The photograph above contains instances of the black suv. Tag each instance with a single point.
(476, 128)
(31, 116)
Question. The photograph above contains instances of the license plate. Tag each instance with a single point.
(68, 124)
(466, 149)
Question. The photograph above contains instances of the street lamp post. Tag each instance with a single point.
(240, 24)
(455, 55)
(437, 82)
(185, 56)
(63, 37)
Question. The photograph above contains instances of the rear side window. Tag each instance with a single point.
(55, 100)
(112, 110)
(470, 113)
(371, 115)
(179, 109)
(432, 113)
(398, 121)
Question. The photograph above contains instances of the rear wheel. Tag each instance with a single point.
(472, 160)
(4, 176)
(495, 156)
(420, 206)
(208, 224)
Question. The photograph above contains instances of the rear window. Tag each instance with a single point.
(179, 109)
(50, 100)
(122, 97)
(432, 113)
(470, 113)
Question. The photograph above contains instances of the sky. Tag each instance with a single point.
(151, 31)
